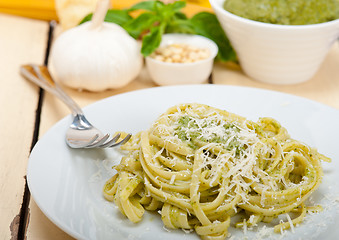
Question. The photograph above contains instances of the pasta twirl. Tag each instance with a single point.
(200, 166)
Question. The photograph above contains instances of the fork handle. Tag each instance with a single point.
(41, 76)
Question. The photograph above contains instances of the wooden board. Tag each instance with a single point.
(21, 41)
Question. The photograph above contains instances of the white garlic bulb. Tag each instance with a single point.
(96, 56)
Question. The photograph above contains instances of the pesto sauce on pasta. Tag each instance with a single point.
(199, 166)
(194, 130)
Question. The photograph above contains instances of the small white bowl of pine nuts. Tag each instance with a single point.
(182, 59)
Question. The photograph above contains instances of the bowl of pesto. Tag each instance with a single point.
(279, 42)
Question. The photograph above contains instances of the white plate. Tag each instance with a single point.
(66, 183)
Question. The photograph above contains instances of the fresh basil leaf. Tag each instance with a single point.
(180, 26)
(177, 5)
(166, 12)
(169, 11)
(116, 16)
(152, 40)
(207, 25)
(138, 25)
(180, 15)
(146, 5)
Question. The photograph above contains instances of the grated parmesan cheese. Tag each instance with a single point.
(290, 222)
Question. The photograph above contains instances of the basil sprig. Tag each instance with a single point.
(158, 18)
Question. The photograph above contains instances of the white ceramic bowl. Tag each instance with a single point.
(278, 54)
(164, 73)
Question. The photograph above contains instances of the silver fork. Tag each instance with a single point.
(81, 133)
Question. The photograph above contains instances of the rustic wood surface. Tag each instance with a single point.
(21, 41)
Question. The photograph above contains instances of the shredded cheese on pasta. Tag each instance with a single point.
(198, 166)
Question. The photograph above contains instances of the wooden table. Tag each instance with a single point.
(26, 113)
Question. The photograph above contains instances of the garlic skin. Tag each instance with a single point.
(106, 57)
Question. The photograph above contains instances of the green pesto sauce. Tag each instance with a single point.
(286, 12)
(194, 135)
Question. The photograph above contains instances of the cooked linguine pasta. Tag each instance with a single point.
(200, 166)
